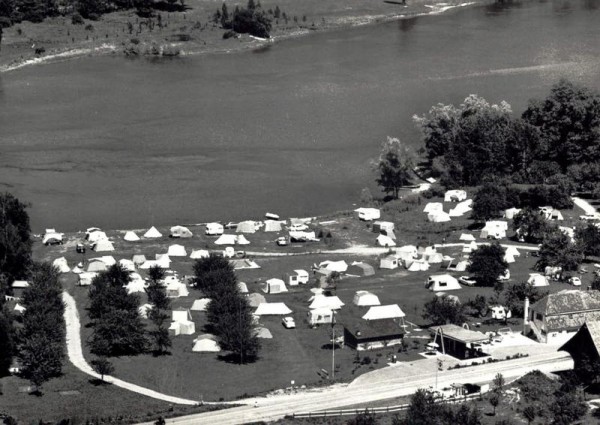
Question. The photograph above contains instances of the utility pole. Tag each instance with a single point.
(332, 345)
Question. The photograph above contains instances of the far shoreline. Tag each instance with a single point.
(246, 43)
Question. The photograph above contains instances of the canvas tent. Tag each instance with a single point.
(320, 316)
(365, 298)
(383, 226)
(180, 232)
(455, 195)
(432, 207)
(206, 343)
(536, 279)
(385, 241)
(442, 282)
(246, 227)
(466, 237)
(334, 266)
(152, 233)
(380, 312)
(176, 251)
(419, 265)
(241, 240)
(461, 208)
(511, 250)
(182, 323)
(272, 309)
(96, 265)
(137, 285)
(273, 226)
(61, 265)
(407, 249)
(226, 240)
(438, 217)
(255, 299)
(199, 253)
(494, 230)
(95, 236)
(462, 266)
(360, 268)
(176, 289)
(103, 245)
(273, 286)
(131, 236)
(52, 237)
(262, 332)
(85, 278)
(321, 301)
(127, 265)
(242, 287)
(200, 305)
(368, 214)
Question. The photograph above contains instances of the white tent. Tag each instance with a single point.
(200, 305)
(199, 253)
(494, 230)
(144, 310)
(272, 309)
(19, 308)
(95, 236)
(274, 286)
(176, 289)
(273, 226)
(455, 196)
(263, 332)
(61, 265)
(214, 229)
(438, 217)
(434, 258)
(442, 282)
(390, 262)
(462, 266)
(407, 249)
(379, 312)
(511, 250)
(432, 207)
(334, 266)
(127, 265)
(461, 208)
(241, 240)
(77, 270)
(302, 236)
(511, 213)
(180, 232)
(421, 188)
(320, 316)
(182, 322)
(509, 258)
(148, 264)
(163, 260)
(242, 287)
(176, 251)
(96, 265)
(331, 303)
(85, 278)
(368, 214)
(255, 299)
(419, 265)
(109, 260)
(103, 245)
(466, 237)
(206, 343)
(53, 236)
(385, 241)
(131, 237)
(137, 285)
(226, 240)
(138, 259)
(365, 298)
(246, 227)
(152, 233)
(536, 279)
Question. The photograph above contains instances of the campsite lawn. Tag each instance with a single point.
(304, 353)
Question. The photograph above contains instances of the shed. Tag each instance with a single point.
(459, 342)
(369, 335)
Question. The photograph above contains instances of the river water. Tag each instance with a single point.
(290, 129)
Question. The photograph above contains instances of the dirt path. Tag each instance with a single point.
(75, 353)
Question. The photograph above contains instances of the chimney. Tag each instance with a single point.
(526, 312)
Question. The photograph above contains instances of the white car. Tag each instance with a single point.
(467, 280)
(288, 322)
(298, 227)
(282, 241)
(575, 281)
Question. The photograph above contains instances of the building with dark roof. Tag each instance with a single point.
(556, 315)
(459, 342)
(362, 334)
(585, 344)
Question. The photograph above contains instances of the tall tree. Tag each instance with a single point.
(531, 225)
(395, 166)
(557, 250)
(587, 238)
(15, 238)
(442, 310)
(8, 346)
(212, 274)
(487, 264)
(490, 201)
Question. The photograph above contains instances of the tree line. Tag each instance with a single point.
(251, 19)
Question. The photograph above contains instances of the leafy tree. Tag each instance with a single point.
(395, 164)
(252, 21)
(41, 358)
(224, 16)
(567, 408)
(8, 346)
(363, 418)
(15, 238)
(531, 225)
(569, 123)
(442, 310)
(213, 273)
(515, 295)
(588, 239)
(490, 201)
(494, 399)
(557, 250)
(118, 333)
(102, 366)
(487, 264)
(157, 294)
(479, 304)
(498, 383)
(422, 408)
(529, 413)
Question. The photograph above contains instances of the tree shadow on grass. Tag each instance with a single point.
(328, 346)
(235, 359)
(96, 382)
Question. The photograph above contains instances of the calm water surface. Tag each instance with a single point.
(289, 129)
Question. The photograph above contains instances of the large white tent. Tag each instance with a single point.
(379, 312)
(272, 309)
(241, 240)
(200, 305)
(536, 279)
(199, 253)
(438, 217)
(131, 236)
(320, 316)
(273, 286)
(433, 207)
(206, 343)
(365, 298)
(385, 241)
(61, 265)
(273, 226)
(138, 259)
(152, 233)
(442, 282)
(321, 301)
(103, 245)
(368, 214)
(85, 278)
(246, 227)
(334, 266)
(226, 240)
(466, 237)
(127, 265)
(176, 251)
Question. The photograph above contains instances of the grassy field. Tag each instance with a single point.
(111, 32)
(298, 354)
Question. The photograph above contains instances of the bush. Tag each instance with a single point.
(77, 19)
(230, 34)
(5, 22)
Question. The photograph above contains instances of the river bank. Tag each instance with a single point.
(192, 32)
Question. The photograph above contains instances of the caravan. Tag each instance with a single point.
(442, 282)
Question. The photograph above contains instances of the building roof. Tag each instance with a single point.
(364, 329)
(460, 334)
(568, 301)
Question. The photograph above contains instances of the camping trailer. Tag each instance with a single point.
(214, 229)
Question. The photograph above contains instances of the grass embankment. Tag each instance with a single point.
(301, 353)
(191, 31)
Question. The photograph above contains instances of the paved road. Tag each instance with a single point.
(75, 354)
(361, 391)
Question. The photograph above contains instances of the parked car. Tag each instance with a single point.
(288, 322)
(575, 281)
(467, 280)
(282, 241)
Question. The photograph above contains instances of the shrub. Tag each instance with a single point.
(230, 34)
(5, 22)
(77, 19)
